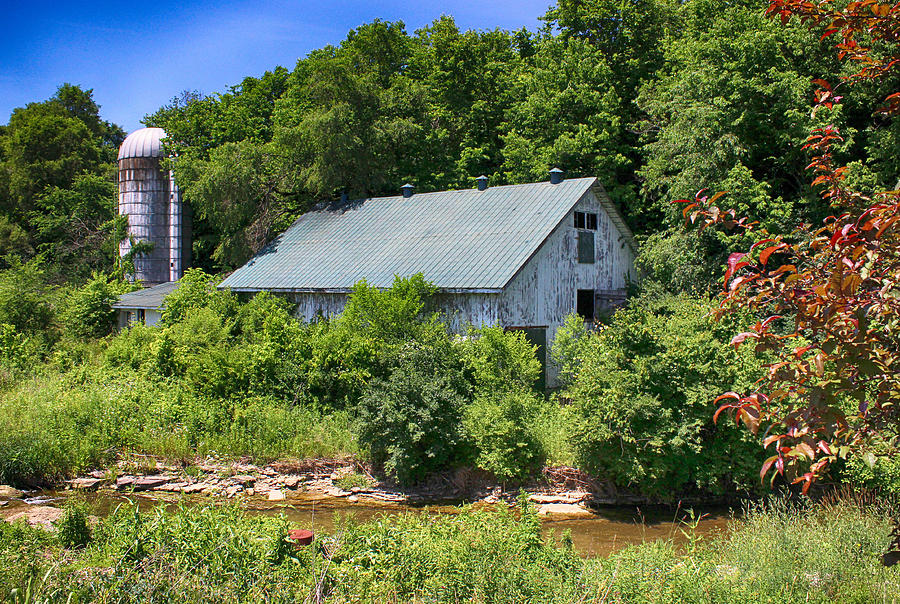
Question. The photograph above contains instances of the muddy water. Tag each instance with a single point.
(608, 530)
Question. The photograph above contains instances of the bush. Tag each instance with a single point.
(196, 289)
(500, 360)
(642, 391)
(875, 467)
(73, 529)
(410, 421)
(88, 311)
(26, 300)
(500, 425)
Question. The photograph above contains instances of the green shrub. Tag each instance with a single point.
(410, 421)
(73, 529)
(27, 302)
(19, 353)
(351, 350)
(503, 368)
(500, 360)
(353, 479)
(196, 289)
(642, 391)
(501, 424)
(88, 311)
(877, 467)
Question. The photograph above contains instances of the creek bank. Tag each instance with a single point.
(334, 479)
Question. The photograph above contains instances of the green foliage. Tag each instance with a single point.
(351, 350)
(410, 420)
(642, 391)
(88, 311)
(501, 425)
(776, 552)
(57, 162)
(500, 419)
(18, 352)
(354, 479)
(500, 360)
(877, 466)
(73, 529)
(26, 299)
(197, 289)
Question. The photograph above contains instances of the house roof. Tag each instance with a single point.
(151, 298)
(460, 240)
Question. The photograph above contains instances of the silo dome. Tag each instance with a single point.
(146, 142)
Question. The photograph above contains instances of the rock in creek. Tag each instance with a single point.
(42, 516)
(149, 482)
(7, 492)
(276, 495)
(571, 497)
(564, 509)
(86, 484)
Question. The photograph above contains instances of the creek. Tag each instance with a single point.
(609, 529)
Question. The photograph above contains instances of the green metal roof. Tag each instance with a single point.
(460, 240)
(151, 298)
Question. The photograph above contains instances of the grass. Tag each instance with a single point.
(779, 552)
(56, 425)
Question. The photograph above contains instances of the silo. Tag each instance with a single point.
(152, 202)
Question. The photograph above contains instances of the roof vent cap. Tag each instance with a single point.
(482, 182)
(556, 176)
(407, 190)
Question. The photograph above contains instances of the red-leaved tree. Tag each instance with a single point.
(830, 295)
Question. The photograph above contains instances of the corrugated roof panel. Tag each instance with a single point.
(149, 298)
(466, 239)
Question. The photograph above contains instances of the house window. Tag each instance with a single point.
(141, 316)
(586, 220)
(584, 305)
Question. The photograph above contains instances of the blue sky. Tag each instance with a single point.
(138, 55)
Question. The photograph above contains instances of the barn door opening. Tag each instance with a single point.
(584, 305)
(537, 337)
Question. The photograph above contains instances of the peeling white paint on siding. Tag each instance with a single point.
(544, 291)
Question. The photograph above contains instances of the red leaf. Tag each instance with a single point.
(739, 339)
(735, 263)
(766, 466)
(766, 253)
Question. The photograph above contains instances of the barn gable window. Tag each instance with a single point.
(586, 220)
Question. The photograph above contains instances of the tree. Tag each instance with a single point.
(829, 294)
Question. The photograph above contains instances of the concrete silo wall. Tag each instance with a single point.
(144, 196)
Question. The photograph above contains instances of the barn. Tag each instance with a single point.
(520, 256)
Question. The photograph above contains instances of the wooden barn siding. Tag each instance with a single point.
(309, 305)
(461, 310)
(544, 291)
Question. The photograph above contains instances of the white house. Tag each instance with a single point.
(144, 306)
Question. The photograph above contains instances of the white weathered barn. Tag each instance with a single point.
(519, 256)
